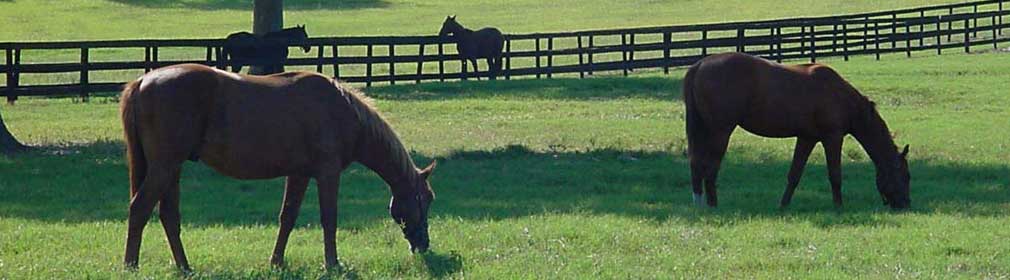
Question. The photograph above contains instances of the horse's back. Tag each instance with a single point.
(248, 126)
(767, 98)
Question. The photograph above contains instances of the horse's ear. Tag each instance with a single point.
(453, 17)
(427, 170)
(904, 152)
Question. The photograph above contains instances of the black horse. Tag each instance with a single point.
(270, 50)
(485, 43)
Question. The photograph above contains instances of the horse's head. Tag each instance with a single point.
(410, 209)
(301, 37)
(450, 26)
(893, 181)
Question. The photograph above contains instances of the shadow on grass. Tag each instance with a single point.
(442, 265)
(88, 183)
(597, 88)
(246, 5)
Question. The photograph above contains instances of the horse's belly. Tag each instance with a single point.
(245, 162)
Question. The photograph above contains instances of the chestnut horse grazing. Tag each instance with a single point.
(810, 102)
(295, 124)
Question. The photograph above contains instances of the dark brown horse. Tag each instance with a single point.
(269, 50)
(810, 102)
(296, 124)
(486, 43)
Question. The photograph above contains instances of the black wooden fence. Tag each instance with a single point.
(370, 60)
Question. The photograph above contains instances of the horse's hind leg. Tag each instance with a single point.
(800, 155)
(170, 220)
(716, 150)
(294, 191)
(490, 68)
(475, 71)
(159, 179)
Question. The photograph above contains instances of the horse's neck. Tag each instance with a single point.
(382, 153)
(873, 135)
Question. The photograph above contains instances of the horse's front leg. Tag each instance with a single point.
(294, 191)
(800, 155)
(833, 154)
(329, 185)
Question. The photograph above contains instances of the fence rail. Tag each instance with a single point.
(383, 59)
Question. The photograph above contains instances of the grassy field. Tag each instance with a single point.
(561, 178)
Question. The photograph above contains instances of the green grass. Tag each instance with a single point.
(561, 178)
(554, 178)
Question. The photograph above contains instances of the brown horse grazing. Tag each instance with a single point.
(295, 124)
(810, 102)
(486, 43)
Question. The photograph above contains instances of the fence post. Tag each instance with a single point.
(624, 53)
(154, 57)
(84, 74)
(320, 49)
(441, 62)
(147, 59)
(631, 52)
(392, 64)
(508, 59)
(778, 44)
(974, 20)
(950, 12)
(1000, 10)
(894, 30)
(13, 61)
(813, 43)
(771, 42)
(922, 24)
(739, 39)
(876, 39)
(667, 38)
(993, 20)
(908, 40)
(537, 56)
(590, 55)
(420, 62)
(845, 40)
(939, 44)
(550, 57)
(967, 40)
(866, 30)
(336, 66)
(704, 43)
(368, 66)
(834, 38)
(582, 70)
(803, 40)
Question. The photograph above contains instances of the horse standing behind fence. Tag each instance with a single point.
(810, 102)
(269, 51)
(297, 124)
(486, 43)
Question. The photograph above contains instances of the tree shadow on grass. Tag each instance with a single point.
(88, 183)
(597, 88)
(246, 5)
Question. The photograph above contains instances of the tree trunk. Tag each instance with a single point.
(8, 144)
(268, 15)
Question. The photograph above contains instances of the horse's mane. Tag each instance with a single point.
(377, 129)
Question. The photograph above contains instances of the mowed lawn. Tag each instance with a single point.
(561, 178)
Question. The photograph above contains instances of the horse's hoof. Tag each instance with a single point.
(699, 200)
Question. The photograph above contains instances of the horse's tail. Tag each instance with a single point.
(136, 162)
(695, 127)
